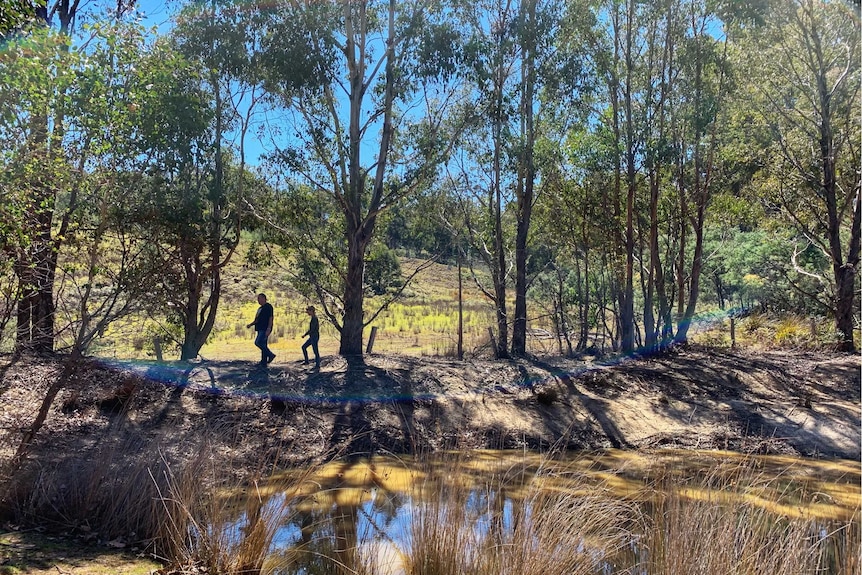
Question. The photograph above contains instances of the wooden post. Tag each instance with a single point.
(370, 345)
(732, 333)
(157, 345)
(813, 329)
(460, 311)
(493, 340)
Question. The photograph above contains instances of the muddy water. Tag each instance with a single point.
(363, 512)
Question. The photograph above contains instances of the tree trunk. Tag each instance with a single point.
(627, 295)
(694, 285)
(188, 348)
(844, 273)
(654, 265)
(527, 178)
(26, 301)
(36, 263)
(460, 349)
(563, 328)
(351, 331)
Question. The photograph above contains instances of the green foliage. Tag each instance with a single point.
(114, 139)
(755, 269)
(382, 269)
(18, 15)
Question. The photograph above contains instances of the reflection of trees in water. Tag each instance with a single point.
(312, 547)
(327, 541)
(350, 524)
(324, 542)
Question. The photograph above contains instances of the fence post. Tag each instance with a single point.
(732, 333)
(493, 340)
(157, 346)
(370, 345)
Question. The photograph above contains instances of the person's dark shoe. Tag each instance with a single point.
(305, 362)
(270, 358)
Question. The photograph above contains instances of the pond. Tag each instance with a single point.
(505, 512)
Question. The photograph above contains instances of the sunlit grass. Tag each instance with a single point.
(507, 513)
(423, 321)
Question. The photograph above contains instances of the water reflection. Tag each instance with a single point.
(382, 515)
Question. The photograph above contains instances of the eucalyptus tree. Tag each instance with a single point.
(807, 70)
(546, 73)
(663, 33)
(363, 86)
(703, 102)
(41, 124)
(612, 51)
(481, 169)
(103, 264)
(512, 59)
(200, 96)
(662, 68)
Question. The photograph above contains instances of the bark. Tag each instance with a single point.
(354, 294)
(627, 343)
(527, 178)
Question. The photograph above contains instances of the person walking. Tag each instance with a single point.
(263, 327)
(313, 334)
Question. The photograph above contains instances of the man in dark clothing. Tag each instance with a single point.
(263, 327)
(313, 334)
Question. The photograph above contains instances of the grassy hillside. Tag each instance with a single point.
(423, 320)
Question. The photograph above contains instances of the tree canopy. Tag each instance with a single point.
(614, 165)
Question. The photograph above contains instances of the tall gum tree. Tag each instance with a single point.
(700, 103)
(213, 37)
(806, 63)
(482, 177)
(543, 68)
(357, 80)
(44, 147)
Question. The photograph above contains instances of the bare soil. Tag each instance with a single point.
(797, 403)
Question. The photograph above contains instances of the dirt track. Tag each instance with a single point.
(777, 402)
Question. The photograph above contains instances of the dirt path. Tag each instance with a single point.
(801, 404)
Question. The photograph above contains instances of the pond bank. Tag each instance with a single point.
(121, 428)
(801, 404)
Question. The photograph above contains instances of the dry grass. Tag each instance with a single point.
(712, 536)
(487, 529)
(772, 331)
(466, 514)
(126, 491)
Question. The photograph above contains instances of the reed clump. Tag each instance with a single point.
(735, 521)
(511, 521)
(194, 506)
